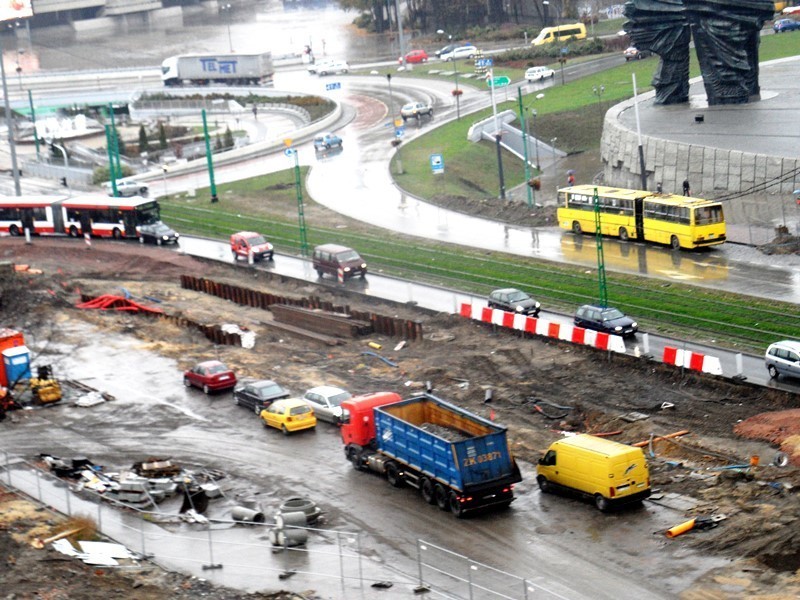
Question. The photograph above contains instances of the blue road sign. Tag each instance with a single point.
(564, 50)
(484, 62)
(400, 132)
(333, 86)
(437, 164)
(289, 151)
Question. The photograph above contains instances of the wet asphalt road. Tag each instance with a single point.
(566, 547)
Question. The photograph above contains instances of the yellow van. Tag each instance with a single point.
(608, 472)
(562, 33)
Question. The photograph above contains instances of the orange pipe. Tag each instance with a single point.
(663, 437)
(682, 528)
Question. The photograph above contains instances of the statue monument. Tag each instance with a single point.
(726, 38)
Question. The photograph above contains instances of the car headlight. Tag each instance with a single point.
(347, 269)
(363, 265)
(337, 411)
(617, 328)
(537, 305)
(165, 237)
(635, 325)
(520, 309)
(269, 246)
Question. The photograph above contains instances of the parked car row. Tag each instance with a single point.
(589, 316)
(269, 400)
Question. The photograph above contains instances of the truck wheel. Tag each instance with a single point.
(544, 485)
(354, 457)
(426, 489)
(393, 475)
(455, 505)
(601, 502)
(440, 494)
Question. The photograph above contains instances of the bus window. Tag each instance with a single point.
(706, 215)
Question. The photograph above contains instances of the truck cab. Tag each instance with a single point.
(358, 420)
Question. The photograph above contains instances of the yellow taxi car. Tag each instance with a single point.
(291, 414)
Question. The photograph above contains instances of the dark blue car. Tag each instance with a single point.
(782, 25)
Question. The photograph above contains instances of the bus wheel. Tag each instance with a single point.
(116, 234)
(73, 231)
(576, 228)
(675, 242)
(13, 230)
(623, 234)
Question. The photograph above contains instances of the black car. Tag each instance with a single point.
(605, 319)
(158, 233)
(258, 394)
(513, 300)
(447, 49)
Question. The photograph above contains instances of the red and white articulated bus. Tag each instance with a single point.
(95, 214)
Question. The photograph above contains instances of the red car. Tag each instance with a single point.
(415, 56)
(210, 376)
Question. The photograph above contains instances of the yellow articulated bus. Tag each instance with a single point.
(679, 221)
(562, 33)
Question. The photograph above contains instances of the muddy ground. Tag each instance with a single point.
(540, 387)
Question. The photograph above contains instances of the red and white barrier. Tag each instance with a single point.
(561, 331)
(692, 360)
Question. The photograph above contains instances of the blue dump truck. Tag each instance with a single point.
(457, 460)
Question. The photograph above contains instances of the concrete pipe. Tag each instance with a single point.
(682, 528)
(247, 515)
(288, 537)
(305, 505)
(290, 519)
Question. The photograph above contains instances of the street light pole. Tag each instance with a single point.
(10, 126)
(400, 32)
(66, 165)
(553, 148)
(599, 91)
(227, 8)
(456, 92)
(546, 6)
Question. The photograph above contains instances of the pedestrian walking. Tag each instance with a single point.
(571, 180)
(687, 191)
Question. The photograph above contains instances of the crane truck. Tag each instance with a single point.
(228, 69)
(457, 460)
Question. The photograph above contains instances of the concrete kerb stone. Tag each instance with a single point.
(237, 154)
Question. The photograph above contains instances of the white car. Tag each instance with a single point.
(326, 402)
(333, 67)
(466, 51)
(318, 64)
(127, 188)
(539, 73)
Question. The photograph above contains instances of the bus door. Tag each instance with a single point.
(58, 218)
(129, 218)
(639, 214)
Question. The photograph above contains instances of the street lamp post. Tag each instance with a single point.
(533, 114)
(395, 138)
(599, 91)
(553, 148)
(546, 6)
(227, 8)
(10, 125)
(63, 151)
(456, 91)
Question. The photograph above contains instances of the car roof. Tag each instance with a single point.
(211, 363)
(789, 344)
(598, 307)
(332, 248)
(289, 402)
(325, 390)
(505, 291)
(246, 233)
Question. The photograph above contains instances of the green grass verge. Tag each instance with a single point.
(741, 322)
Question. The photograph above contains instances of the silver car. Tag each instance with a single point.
(326, 401)
(783, 358)
(127, 188)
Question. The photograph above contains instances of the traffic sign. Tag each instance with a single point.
(398, 122)
(484, 62)
(400, 132)
(437, 164)
(500, 81)
(289, 151)
(333, 86)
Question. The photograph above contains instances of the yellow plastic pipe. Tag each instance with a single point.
(682, 528)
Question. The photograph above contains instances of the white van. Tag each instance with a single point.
(783, 358)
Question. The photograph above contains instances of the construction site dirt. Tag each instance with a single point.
(731, 462)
